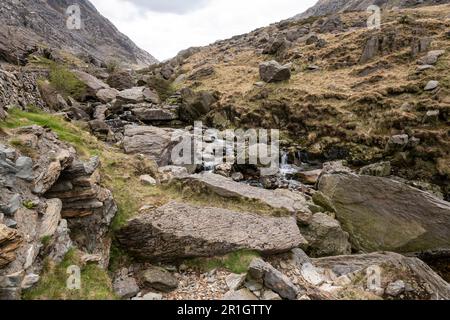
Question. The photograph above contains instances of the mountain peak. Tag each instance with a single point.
(28, 24)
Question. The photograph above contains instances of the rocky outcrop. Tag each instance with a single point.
(383, 214)
(37, 209)
(27, 24)
(177, 231)
(279, 200)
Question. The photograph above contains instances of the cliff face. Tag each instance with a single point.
(326, 7)
(29, 24)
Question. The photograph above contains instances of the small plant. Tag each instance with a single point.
(236, 262)
(46, 240)
(29, 204)
(112, 66)
(164, 87)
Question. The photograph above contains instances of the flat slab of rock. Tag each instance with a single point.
(384, 214)
(292, 202)
(179, 230)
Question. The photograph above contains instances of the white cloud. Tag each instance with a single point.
(164, 31)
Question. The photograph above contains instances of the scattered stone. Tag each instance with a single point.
(431, 85)
(269, 295)
(311, 275)
(394, 289)
(151, 296)
(272, 71)
(392, 265)
(380, 169)
(432, 116)
(125, 287)
(147, 180)
(159, 279)
(272, 279)
(432, 57)
(29, 280)
(242, 294)
(201, 73)
(235, 281)
(397, 143)
(237, 176)
(14, 204)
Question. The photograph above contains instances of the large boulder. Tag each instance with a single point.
(176, 231)
(280, 200)
(92, 83)
(384, 214)
(195, 104)
(272, 71)
(154, 142)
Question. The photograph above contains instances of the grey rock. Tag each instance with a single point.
(159, 279)
(269, 295)
(147, 180)
(25, 167)
(396, 288)
(432, 57)
(176, 231)
(156, 143)
(325, 237)
(299, 257)
(272, 279)
(272, 71)
(283, 200)
(240, 295)
(125, 287)
(397, 143)
(14, 204)
(380, 169)
(235, 281)
(29, 280)
(431, 85)
(384, 214)
(155, 114)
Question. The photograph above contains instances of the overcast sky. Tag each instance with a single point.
(164, 27)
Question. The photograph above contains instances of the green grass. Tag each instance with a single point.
(95, 282)
(164, 87)
(46, 240)
(83, 142)
(236, 262)
(66, 82)
(29, 204)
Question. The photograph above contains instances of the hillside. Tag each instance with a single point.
(30, 25)
(327, 7)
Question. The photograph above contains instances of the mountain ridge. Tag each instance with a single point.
(30, 25)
